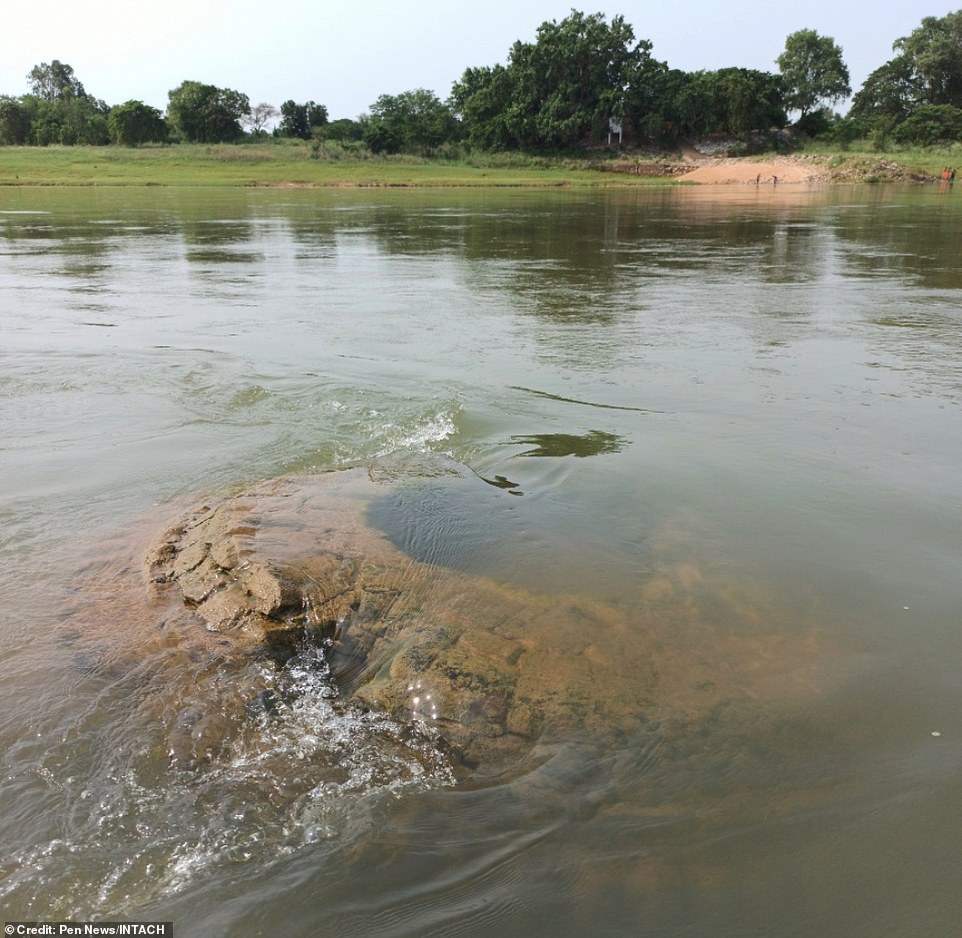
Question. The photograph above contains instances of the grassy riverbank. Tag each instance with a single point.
(863, 162)
(280, 164)
(295, 163)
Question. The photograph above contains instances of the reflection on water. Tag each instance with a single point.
(567, 444)
(786, 369)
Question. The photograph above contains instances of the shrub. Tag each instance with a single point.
(930, 124)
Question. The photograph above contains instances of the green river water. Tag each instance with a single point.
(752, 396)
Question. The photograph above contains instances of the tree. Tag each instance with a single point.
(562, 89)
(202, 113)
(482, 99)
(15, 122)
(301, 120)
(54, 81)
(576, 76)
(84, 121)
(60, 110)
(813, 71)
(686, 104)
(134, 123)
(643, 99)
(343, 130)
(742, 100)
(733, 101)
(888, 95)
(932, 55)
(926, 73)
(412, 121)
(259, 116)
(67, 121)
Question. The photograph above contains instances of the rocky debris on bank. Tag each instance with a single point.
(648, 168)
(867, 169)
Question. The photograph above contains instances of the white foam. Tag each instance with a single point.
(423, 436)
(313, 768)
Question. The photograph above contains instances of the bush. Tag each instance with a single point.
(343, 130)
(930, 124)
(816, 124)
(844, 132)
(331, 151)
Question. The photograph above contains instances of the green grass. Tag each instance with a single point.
(281, 164)
(293, 163)
(920, 161)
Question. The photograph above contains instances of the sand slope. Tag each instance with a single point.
(735, 172)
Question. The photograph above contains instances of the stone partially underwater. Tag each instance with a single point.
(289, 571)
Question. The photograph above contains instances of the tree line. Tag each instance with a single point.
(580, 80)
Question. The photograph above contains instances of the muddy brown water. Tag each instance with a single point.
(706, 508)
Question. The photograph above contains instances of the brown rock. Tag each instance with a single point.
(290, 564)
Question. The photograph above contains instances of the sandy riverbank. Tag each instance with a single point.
(782, 169)
(797, 169)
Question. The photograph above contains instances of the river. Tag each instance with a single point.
(741, 403)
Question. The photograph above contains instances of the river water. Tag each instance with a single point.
(744, 403)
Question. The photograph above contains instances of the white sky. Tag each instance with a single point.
(345, 54)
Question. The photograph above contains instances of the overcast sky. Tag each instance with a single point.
(346, 54)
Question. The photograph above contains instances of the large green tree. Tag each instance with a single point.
(887, 96)
(813, 70)
(15, 122)
(579, 71)
(558, 91)
(746, 100)
(134, 123)
(69, 122)
(933, 56)
(300, 120)
(59, 110)
(201, 113)
(411, 122)
(732, 101)
(925, 74)
(55, 80)
(484, 99)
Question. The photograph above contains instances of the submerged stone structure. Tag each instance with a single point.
(236, 590)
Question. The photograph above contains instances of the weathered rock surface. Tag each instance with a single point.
(236, 590)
